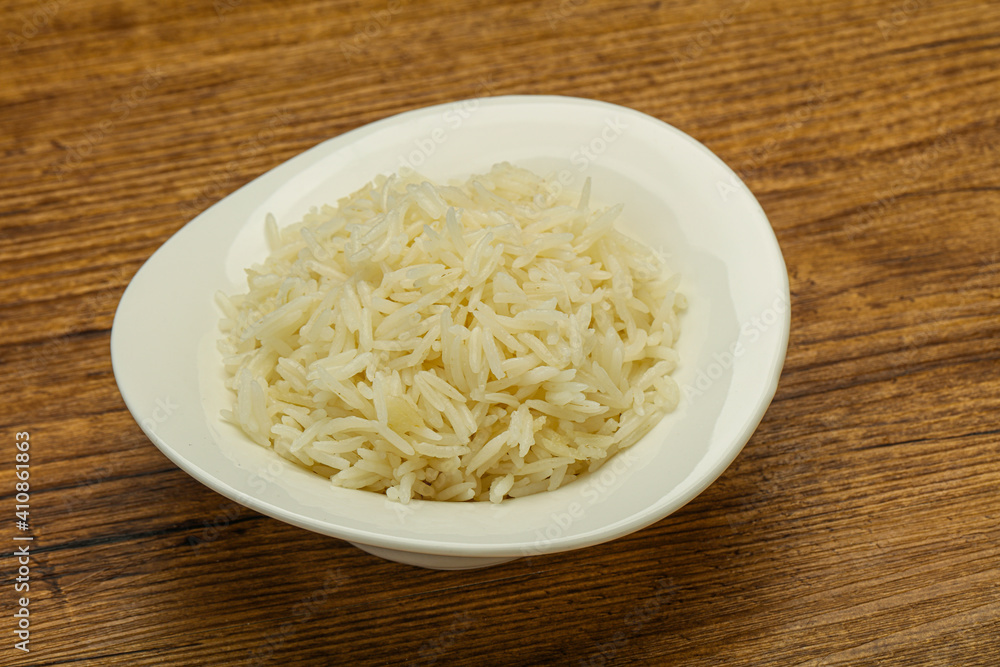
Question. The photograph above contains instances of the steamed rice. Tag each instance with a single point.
(477, 341)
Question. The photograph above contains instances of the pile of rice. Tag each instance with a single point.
(476, 341)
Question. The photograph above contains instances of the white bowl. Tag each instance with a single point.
(677, 196)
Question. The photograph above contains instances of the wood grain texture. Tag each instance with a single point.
(858, 526)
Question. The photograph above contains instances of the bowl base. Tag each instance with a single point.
(434, 561)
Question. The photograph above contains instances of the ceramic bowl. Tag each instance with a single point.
(678, 196)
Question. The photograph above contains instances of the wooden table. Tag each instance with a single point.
(858, 526)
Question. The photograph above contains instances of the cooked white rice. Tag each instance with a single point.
(466, 342)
